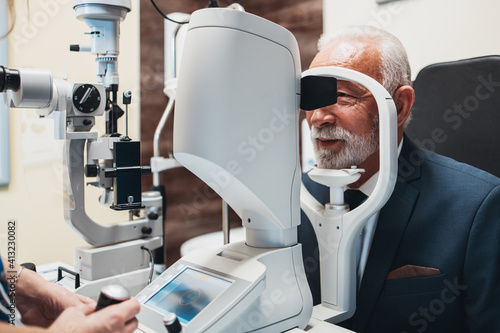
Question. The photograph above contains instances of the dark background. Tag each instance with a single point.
(192, 207)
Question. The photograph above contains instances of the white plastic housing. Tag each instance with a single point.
(103, 17)
(175, 35)
(236, 120)
(35, 91)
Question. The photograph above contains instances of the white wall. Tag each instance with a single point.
(432, 31)
(41, 39)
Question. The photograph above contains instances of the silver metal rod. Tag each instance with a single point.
(168, 108)
(225, 221)
(156, 141)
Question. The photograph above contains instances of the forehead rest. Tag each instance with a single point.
(317, 92)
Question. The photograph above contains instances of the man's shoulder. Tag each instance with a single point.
(452, 166)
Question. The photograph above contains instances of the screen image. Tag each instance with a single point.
(187, 294)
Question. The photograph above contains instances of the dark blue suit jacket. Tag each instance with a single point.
(442, 214)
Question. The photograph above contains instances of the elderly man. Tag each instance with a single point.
(430, 259)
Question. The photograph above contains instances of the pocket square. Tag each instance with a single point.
(411, 271)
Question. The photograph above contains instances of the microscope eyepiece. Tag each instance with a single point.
(9, 79)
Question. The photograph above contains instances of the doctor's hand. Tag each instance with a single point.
(41, 302)
(118, 318)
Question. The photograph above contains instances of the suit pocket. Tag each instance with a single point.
(422, 304)
(420, 285)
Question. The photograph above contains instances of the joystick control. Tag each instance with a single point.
(112, 294)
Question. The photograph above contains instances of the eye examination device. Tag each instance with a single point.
(236, 128)
(119, 253)
(238, 91)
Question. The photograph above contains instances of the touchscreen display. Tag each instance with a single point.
(187, 294)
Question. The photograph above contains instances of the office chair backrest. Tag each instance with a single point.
(457, 111)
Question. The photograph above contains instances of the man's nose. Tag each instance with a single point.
(322, 117)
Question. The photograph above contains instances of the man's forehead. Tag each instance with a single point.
(351, 86)
(359, 55)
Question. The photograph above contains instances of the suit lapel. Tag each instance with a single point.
(392, 222)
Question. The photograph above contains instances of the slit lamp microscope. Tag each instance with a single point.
(119, 253)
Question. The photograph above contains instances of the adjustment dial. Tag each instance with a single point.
(86, 98)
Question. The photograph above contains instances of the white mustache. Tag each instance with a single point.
(330, 133)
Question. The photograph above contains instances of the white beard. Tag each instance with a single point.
(355, 151)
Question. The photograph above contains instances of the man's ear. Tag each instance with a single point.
(404, 98)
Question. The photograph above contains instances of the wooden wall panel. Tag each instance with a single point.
(192, 207)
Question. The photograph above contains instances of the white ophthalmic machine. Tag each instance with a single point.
(240, 81)
(236, 128)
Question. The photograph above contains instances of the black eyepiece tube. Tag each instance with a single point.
(9, 79)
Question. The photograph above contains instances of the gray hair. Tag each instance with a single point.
(395, 67)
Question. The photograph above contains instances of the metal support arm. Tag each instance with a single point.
(94, 233)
